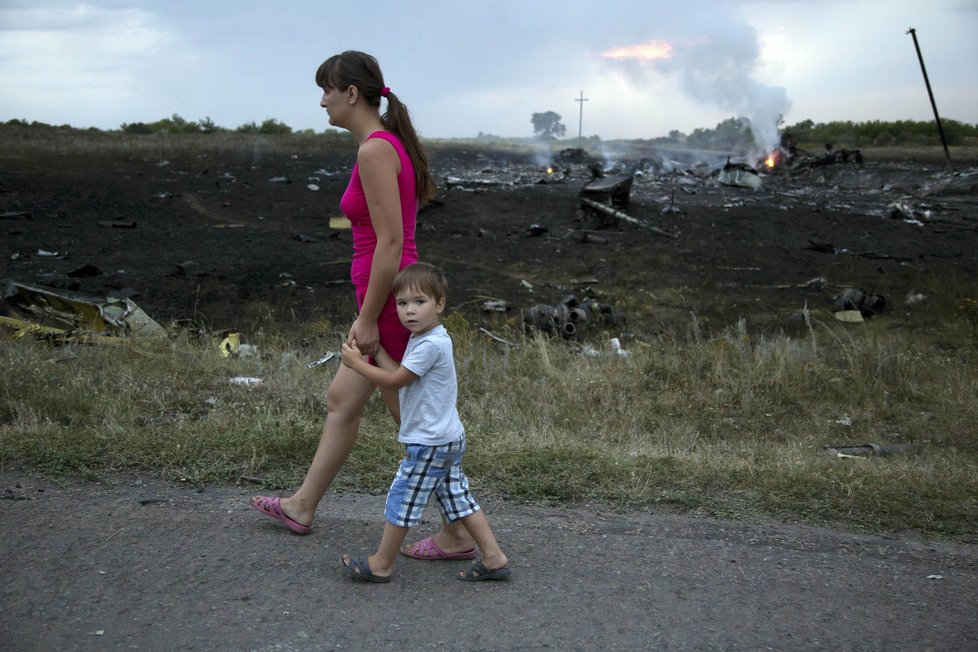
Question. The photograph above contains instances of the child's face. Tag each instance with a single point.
(417, 311)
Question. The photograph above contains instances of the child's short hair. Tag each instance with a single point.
(423, 277)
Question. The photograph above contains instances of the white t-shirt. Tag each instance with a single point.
(428, 412)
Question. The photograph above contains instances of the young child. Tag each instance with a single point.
(431, 431)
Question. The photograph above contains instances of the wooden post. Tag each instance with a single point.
(940, 130)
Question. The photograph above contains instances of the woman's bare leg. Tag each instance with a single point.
(345, 399)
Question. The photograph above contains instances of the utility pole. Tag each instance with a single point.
(940, 130)
(580, 118)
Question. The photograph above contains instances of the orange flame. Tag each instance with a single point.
(550, 170)
(646, 51)
(770, 161)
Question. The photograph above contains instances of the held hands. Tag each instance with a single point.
(351, 354)
(365, 335)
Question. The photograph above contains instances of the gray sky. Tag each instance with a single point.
(645, 66)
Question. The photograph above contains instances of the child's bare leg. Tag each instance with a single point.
(452, 537)
(382, 562)
(478, 526)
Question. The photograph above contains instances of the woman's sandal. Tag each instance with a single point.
(270, 506)
(428, 549)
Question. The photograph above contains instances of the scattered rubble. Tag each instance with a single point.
(619, 194)
(67, 316)
(614, 190)
(739, 175)
(651, 177)
(323, 360)
(571, 318)
(117, 224)
(15, 215)
(868, 304)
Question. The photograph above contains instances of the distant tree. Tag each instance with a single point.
(136, 128)
(954, 131)
(272, 126)
(175, 125)
(248, 128)
(207, 126)
(733, 134)
(677, 136)
(269, 126)
(548, 125)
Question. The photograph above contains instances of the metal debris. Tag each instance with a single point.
(866, 303)
(615, 189)
(117, 224)
(323, 360)
(740, 175)
(868, 450)
(571, 318)
(45, 312)
(248, 381)
(495, 305)
(625, 217)
(497, 338)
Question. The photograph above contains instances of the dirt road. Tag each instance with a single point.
(144, 564)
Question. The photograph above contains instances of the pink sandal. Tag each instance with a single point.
(427, 549)
(270, 506)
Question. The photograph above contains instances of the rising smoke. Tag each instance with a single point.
(715, 62)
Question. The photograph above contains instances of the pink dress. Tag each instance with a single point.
(393, 335)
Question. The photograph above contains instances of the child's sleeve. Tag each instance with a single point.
(421, 358)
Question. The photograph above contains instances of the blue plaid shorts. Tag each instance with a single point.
(426, 470)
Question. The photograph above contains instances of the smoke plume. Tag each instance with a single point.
(715, 63)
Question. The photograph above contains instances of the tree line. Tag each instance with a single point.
(736, 132)
(178, 125)
(731, 134)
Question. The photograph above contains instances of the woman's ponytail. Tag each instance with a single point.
(397, 120)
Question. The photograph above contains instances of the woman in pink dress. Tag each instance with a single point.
(389, 180)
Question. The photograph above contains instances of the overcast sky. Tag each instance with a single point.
(645, 66)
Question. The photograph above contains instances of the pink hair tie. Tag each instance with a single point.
(384, 91)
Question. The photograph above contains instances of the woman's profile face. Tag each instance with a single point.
(334, 101)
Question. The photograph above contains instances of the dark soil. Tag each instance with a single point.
(226, 244)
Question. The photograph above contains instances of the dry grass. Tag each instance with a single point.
(732, 423)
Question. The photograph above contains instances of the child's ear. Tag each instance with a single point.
(440, 306)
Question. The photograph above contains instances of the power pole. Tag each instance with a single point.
(580, 119)
(940, 130)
